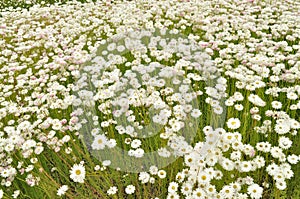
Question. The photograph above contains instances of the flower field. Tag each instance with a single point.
(150, 99)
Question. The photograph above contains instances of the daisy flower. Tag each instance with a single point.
(173, 186)
(284, 142)
(99, 142)
(199, 194)
(276, 104)
(77, 173)
(203, 178)
(281, 185)
(130, 189)
(293, 159)
(196, 113)
(173, 196)
(136, 143)
(112, 190)
(186, 188)
(62, 190)
(227, 192)
(233, 123)
(161, 174)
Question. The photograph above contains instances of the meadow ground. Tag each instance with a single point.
(149, 99)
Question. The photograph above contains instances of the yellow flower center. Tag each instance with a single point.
(78, 172)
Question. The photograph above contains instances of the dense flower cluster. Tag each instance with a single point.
(162, 92)
(179, 65)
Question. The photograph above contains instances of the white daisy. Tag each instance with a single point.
(199, 194)
(285, 142)
(99, 142)
(203, 178)
(282, 128)
(255, 191)
(173, 196)
(153, 170)
(112, 190)
(130, 189)
(276, 104)
(239, 107)
(293, 159)
(161, 174)
(186, 188)
(136, 143)
(196, 113)
(173, 187)
(227, 192)
(77, 173)
(233, 123)
(62, 190)
(281, 185)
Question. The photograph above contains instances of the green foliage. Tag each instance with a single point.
(6, 4)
